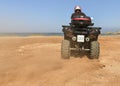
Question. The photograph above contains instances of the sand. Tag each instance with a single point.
(36, 61)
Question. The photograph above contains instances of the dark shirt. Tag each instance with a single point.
(78, 15)
(78, 22)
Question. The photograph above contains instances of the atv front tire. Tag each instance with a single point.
(65, 49)
(94, 50)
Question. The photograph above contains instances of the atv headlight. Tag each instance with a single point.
(74, 38)
(87, 39)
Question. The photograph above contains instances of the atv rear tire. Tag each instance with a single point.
(94, 50)
(65, 49)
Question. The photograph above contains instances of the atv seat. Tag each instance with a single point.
(82, 22)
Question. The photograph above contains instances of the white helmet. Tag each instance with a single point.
(77, 8)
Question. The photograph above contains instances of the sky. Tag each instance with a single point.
(49, 15)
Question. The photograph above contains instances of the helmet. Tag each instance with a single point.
(77, 8)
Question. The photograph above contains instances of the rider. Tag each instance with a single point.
(78, 16)
(77, 12)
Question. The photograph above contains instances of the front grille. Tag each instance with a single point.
(80, 32)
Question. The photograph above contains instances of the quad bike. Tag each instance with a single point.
(80, 36)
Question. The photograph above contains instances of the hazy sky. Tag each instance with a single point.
(50, 15)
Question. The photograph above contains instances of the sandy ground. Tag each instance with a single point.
(36, 61)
